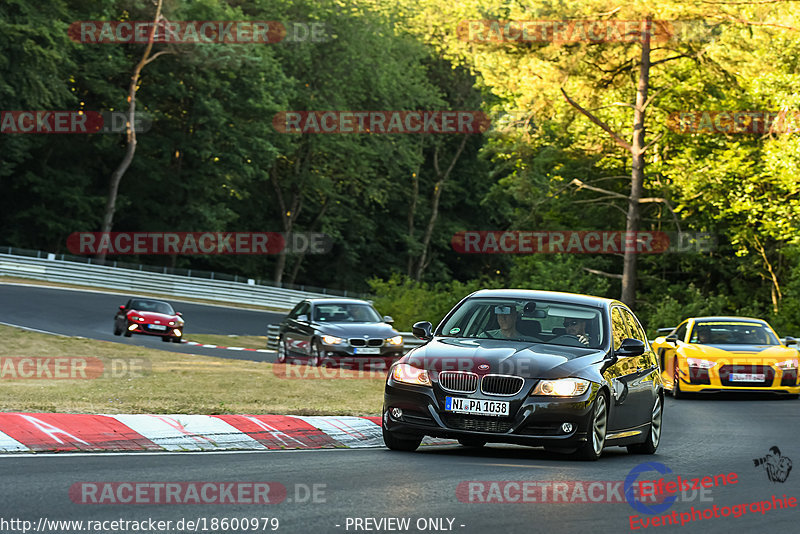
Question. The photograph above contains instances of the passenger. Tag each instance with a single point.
(507, 319)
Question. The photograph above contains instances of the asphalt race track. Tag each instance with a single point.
(358, 490)
(702, 437)
(90, 314)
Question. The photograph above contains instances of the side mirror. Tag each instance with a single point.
(630, 347)
(422, 330)
(122, 307)
(388, 319)
(672, 338)
(789, 340)
(302, 318)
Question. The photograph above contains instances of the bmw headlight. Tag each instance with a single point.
(331, 340)
(408, 374)
(563, 387)
(396, 340)
(700, 363)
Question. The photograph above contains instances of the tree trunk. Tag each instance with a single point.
(637, 173)
(437, 195)
(119, 172)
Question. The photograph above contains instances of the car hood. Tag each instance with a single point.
(153, 316)
(528, 360)
(346, 330)
(726, 351)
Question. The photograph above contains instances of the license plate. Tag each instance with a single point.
(367, 350)
(747, 377)
(476, 406)
(157, 327)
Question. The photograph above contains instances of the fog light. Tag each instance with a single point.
(397, 413)
(133, 327)
(566, 428)
(177, 332)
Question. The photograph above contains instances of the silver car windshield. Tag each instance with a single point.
(534, 321)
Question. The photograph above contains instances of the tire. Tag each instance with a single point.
(398, 444)
(117, 329)
(281, 350)
(177, 339)
(676, 383)
(593, 448)
(315, 359)
(127, 333)
(165, 339)
(654, 435)
(472, 442)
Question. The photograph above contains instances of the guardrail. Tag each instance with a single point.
(409, 341)
(50, 269)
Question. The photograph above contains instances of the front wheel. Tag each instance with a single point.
(593, 448)
(176, 339)
(281, 350)
(398, 444)
(676, 383)
(316, 353)
(117, 329)
(654, 436)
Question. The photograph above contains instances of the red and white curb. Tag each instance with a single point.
(57, 432)
(196, 344)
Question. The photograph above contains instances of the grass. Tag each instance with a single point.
(248, 342)
(161, 296)
(166, 382)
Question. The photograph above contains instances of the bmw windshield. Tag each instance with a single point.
(533, 321)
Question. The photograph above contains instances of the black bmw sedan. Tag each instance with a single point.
(571, 373)
(346, 332)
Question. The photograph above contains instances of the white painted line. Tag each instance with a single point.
(181, 432)
(33, 329)
(129, 294)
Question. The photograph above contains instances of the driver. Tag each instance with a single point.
(507, 319)
(576, 327)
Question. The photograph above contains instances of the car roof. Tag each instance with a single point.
(567, 298)
(712, 318)
(338, 301)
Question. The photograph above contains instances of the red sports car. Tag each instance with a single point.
(152, 317)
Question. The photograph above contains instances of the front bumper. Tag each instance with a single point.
(534, 421)
(346, 355)
(147, 329)
(719, 378)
